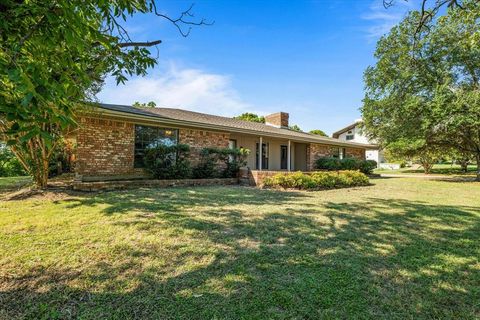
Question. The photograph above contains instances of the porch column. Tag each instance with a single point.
(260, 154)
(289, 160)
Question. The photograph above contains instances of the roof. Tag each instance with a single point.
(208, 121)
(336, 134)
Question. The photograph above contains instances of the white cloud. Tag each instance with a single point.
(185, 88)
(383, 19)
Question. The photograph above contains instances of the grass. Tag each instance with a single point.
(401, 248)
(446, 169)
(12, 183)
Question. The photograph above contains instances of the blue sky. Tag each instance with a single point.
(302, 57)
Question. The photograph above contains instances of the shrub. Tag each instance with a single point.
(10, 166)
(327, 163)
(367, 166)
(220, 162)
(335, 164)
(168, 162)
(317, 180)
(349, 164)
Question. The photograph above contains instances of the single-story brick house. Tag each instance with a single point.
(111, 140)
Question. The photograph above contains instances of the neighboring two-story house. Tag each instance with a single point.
(353, 133)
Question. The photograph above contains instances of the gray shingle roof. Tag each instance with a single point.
(223, 123)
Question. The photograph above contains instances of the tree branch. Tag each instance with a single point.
(140, 44)
(178, 22)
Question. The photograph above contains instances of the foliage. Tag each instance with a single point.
(168, 162)
(53, 58)
(425, 85)
(416, 151)
(317, 180)
(220, 162)
(62, 158)
(150, 104)
(295, 128)
(335, 164)
(318, 132)
(252, 117)
(9, 164)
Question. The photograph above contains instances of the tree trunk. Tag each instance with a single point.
(464, 165)
(427, 167)
(478, 166)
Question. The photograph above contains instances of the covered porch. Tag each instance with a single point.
(272, 154)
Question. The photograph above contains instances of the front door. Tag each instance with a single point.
(283, 157)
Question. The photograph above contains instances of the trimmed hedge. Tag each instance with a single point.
(317, 180)
(335, 164)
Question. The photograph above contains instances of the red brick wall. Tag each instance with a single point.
(104, 147)
(316, 151)
(355, 152)
(199, 139)
(279, 119)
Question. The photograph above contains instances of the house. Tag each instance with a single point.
(111, 140)
(353, 133)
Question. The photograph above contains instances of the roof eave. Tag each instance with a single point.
(157, 118)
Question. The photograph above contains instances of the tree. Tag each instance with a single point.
(428, 13)
(252, 117)
(416, 151)
(150, 104)
(425, 84)
(295, 128)
(53, 59)
(318, 132)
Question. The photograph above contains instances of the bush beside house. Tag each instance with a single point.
(336, 164)
(317, 180)
(171, 162)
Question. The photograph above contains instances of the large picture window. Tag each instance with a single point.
(150, 137)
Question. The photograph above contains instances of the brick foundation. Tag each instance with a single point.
(256, 177)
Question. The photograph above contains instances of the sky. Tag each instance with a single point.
(306, 58)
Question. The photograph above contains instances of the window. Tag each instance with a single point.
(232, 144)
(336, 152)
(150, 137)
(350, 137)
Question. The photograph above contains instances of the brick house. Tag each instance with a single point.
(111, 140)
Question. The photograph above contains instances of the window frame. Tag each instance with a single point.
(137, 164)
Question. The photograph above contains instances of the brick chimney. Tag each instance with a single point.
(279, 120)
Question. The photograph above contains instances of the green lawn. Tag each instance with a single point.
(12, 183)
(446, 169)
(399, 249)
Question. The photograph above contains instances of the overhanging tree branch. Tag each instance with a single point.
(140, 44)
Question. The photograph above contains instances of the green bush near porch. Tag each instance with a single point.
(317, 180)
(332, 164)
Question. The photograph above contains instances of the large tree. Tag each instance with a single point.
(53, 58)
(425, 84)
(252, 117)
(318, 132)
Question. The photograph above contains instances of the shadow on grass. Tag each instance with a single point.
(372, 259)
